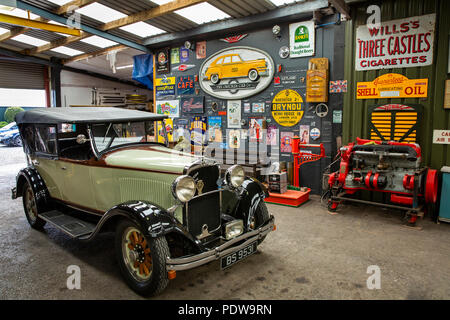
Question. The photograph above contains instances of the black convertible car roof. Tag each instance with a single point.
(84, 115)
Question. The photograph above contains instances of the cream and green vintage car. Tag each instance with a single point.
(93, 170)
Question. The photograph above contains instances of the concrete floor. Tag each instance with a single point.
(312, 255)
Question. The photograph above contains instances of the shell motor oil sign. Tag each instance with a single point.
(399, 43)
(287, 108)
(392, 85)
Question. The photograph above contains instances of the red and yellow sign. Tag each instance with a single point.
(392, 85)
(287, 108)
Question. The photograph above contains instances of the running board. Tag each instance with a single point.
(74, 227)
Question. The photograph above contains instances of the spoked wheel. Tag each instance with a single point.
(31, 209)
(142, 261)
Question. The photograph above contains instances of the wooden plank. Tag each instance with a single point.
(341, 7)
(94, 54)
(70, 6)
(150, 13)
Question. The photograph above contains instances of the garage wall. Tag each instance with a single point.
(355, 121)
(329, 44)
(76, 88)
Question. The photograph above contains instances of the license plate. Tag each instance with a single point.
(237, 256)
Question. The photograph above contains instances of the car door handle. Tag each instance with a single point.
(63, 168)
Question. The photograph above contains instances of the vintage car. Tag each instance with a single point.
(93, 170)
(232, 66)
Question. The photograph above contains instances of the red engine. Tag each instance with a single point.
(390, 167)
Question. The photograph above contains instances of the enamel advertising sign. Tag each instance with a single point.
(287, 108)
(392, 85)
(399, 43)
(236, 73)
(302, 39)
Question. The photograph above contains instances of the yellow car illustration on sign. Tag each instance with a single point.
(232, 66)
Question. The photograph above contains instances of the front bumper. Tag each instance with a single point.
(191, 262)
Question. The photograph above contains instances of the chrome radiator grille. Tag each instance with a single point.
(203, 211)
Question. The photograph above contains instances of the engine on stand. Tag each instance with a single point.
(390, 167)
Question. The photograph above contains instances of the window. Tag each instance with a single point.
(40, 139)
(69, 147)
(227, 60)
(110, 135)
(220, 61)
(236, 59)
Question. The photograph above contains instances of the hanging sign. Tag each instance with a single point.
(302, 39)
(198, 131)
(399, 43)
(441, 136)
(185, 85)
(234, 113)
(165, 86)
(200, 50)
(236, 73)
(392, 85)
(175, 55)
(184, 54)
(315, 133)
(162, 61)
(169, 107)
(287, 108)
(234, 39)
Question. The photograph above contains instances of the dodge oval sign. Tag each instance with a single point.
(236, 73)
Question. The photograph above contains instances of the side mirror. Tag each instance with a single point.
(81, 139)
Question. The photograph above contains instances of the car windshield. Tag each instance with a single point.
(113, 135)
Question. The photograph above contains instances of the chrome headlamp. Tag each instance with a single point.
(235, 176)
(183, 188)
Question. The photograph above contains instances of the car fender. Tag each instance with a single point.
(251, 194)
(152, 219)
(32, 176)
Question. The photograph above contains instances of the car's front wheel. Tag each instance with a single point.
(215, 79)
(142, 260)
(30, 207)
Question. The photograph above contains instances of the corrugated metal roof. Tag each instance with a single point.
(171, 22)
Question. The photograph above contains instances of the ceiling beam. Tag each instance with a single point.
(342, 7)
(55, 44)
(10, 55)
(296, 12)
(94, 54)
(52, 16)
(27, 23)
(70, 5)
(18, 31)
(61, 10)
(150, 13)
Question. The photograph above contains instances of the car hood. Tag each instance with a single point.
(151, 158)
